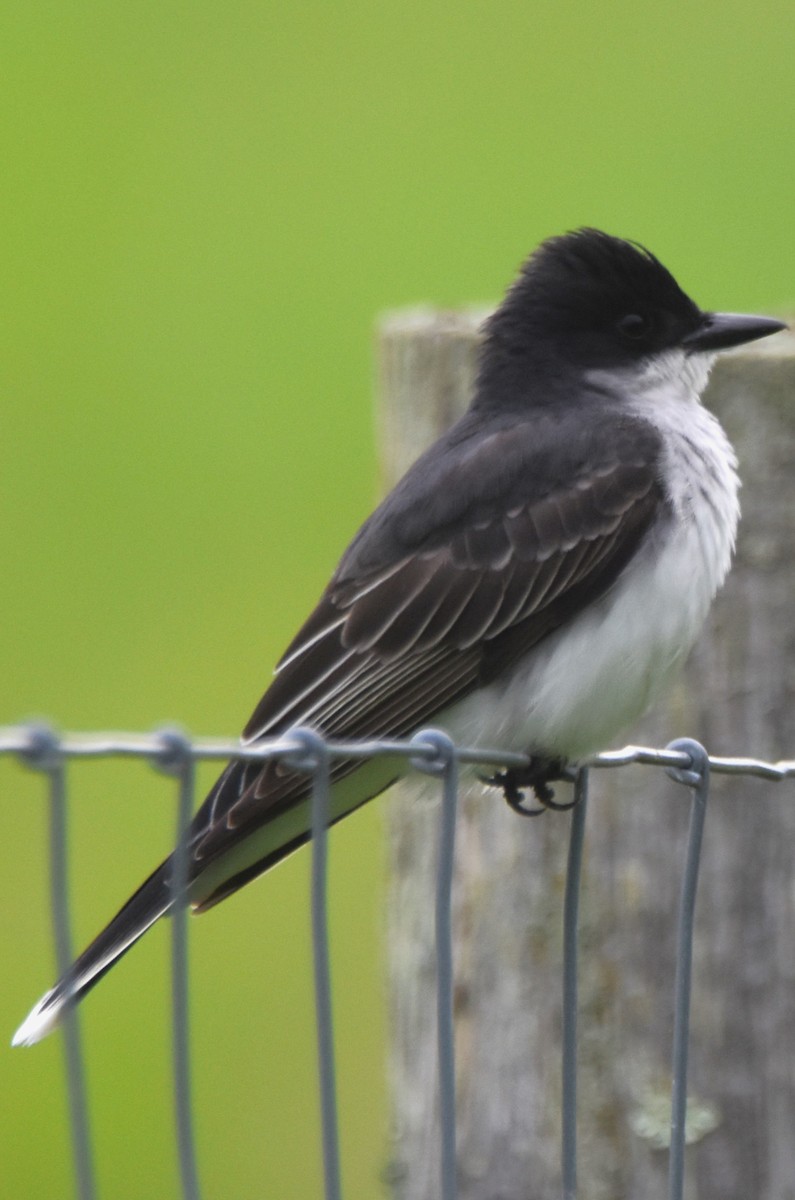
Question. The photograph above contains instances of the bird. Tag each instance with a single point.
(532, 582)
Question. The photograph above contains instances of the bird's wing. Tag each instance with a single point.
(390, 646)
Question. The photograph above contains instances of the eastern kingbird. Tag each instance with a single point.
(530, 583)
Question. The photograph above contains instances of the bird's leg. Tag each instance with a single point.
(537, 775)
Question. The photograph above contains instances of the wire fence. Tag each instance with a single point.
(432, 753)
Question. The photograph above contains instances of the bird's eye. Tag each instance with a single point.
(634, 326)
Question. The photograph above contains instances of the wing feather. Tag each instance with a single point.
(433, 609)
(371, 617)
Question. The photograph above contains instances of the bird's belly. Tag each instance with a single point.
(584, 684)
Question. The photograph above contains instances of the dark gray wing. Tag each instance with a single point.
(390, 645)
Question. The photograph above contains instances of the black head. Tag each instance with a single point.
(587, 300)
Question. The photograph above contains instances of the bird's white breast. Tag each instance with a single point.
(584, 684)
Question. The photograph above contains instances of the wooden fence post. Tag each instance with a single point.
(736, 696)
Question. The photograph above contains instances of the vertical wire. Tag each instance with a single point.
(444, 971)
(697, 778)
(320, 805)
(183, 1114)
(59, 883)
(570, 948)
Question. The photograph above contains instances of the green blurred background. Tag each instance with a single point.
(204, 207)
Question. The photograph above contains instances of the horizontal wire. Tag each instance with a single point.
(23, 740)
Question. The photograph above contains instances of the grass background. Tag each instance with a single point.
(202, 209)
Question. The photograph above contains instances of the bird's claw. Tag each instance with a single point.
(536, 776)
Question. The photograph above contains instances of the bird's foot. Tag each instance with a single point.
(537, 775)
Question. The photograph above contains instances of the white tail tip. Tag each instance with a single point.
(40, 1021)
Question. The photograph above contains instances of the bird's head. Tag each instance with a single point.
(587, 300)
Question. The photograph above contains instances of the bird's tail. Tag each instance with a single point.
(242, 856)
(151, 901)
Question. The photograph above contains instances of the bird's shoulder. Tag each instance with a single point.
(485, 471)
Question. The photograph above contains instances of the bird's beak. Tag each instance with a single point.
(718, 331)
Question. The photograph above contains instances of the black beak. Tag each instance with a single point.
(718, 331)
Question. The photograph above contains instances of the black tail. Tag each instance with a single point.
(151, 901)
